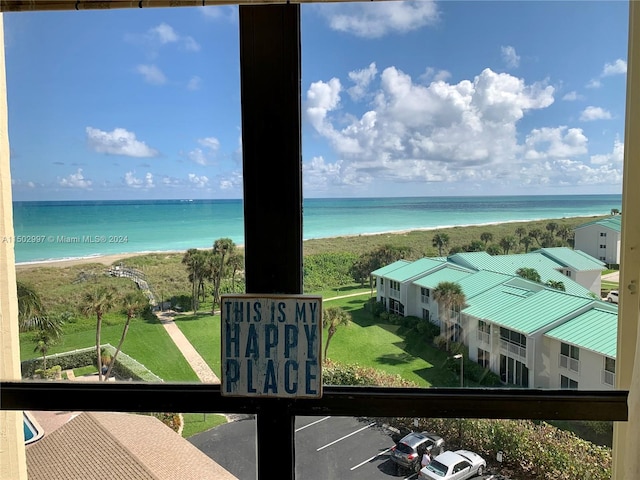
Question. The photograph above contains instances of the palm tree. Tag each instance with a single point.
(449, 296)
(507, 243)
(44, 340)
(32, 315)
(194, 259)
(552, 227)
(536, 233)
(521, 232)
(222, 247)
(332, 318)
(236, 262)
(526, 241)
(98, 302)
(440, 241)
(486, 237)
(133, 302)
(564, 232)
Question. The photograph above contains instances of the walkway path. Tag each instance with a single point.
(204, 372)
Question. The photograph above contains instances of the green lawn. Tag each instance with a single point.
(203, 331)
(200, 422)
(147, 342)
(366, 342)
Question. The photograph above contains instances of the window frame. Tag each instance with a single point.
(275, 416)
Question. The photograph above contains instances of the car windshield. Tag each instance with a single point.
(404, 448)
(437, 468)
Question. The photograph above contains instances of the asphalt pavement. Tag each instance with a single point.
(327, 448)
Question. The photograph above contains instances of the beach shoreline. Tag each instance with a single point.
(110, 259)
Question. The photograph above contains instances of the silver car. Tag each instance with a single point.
(458, 465)
(409, 450)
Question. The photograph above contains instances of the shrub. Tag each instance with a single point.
(374, 307)
(334, 373)
(531, 450)
(428, 330)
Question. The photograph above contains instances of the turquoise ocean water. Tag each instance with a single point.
(61, 230)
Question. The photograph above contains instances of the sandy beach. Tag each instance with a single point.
(104, 259)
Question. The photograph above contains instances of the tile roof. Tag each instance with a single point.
(114, 446)
(595, 329)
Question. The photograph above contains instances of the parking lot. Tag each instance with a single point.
(326, 448)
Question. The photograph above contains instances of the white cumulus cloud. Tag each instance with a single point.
(510, 57)
(199, 181)
(151, 74)
(75, 180)
(132, 181)
(118, 142)
(594, 113)
(619, 67)
(376, 20)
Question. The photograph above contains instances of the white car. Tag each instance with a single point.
(612, 297)
(458, 465)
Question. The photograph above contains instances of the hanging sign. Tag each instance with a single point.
(271, 345)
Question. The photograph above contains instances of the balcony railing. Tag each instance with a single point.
(424, 299)
(484, 337)
(394, 293)
(513, 349)
(608, 378)
(569, 363)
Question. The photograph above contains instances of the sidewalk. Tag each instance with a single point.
(205, 374)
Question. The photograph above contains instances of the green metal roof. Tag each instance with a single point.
(492, 302)
(446, 274)
(412, 270)
(382, 271)
(614, 223)
(481, 281)
(575, 259)
(539, 310)
(596, 330)
(509, 265)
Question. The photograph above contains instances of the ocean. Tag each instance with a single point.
(55, 230)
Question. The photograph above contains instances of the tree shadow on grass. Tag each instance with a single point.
(395, 359)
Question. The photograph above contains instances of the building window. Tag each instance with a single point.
(603, 246)
(566, 382)
(569, 357)
(602, 258)
(396, 307)
(394, 288)
(483, 358)
(426, 315)
(514, 372)
(424, 295)
(513, 342)
(603, 234)
(609, 372)
(484, 331)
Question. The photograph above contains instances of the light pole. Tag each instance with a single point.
(460, 357)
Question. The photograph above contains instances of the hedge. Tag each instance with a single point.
(125, 366)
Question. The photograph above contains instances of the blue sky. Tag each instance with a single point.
(399, 99)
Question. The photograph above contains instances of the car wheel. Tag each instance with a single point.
(609, 300)
(480, 470)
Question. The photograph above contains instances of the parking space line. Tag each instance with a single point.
(312, 423)
(372, 458)
(346, 436)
